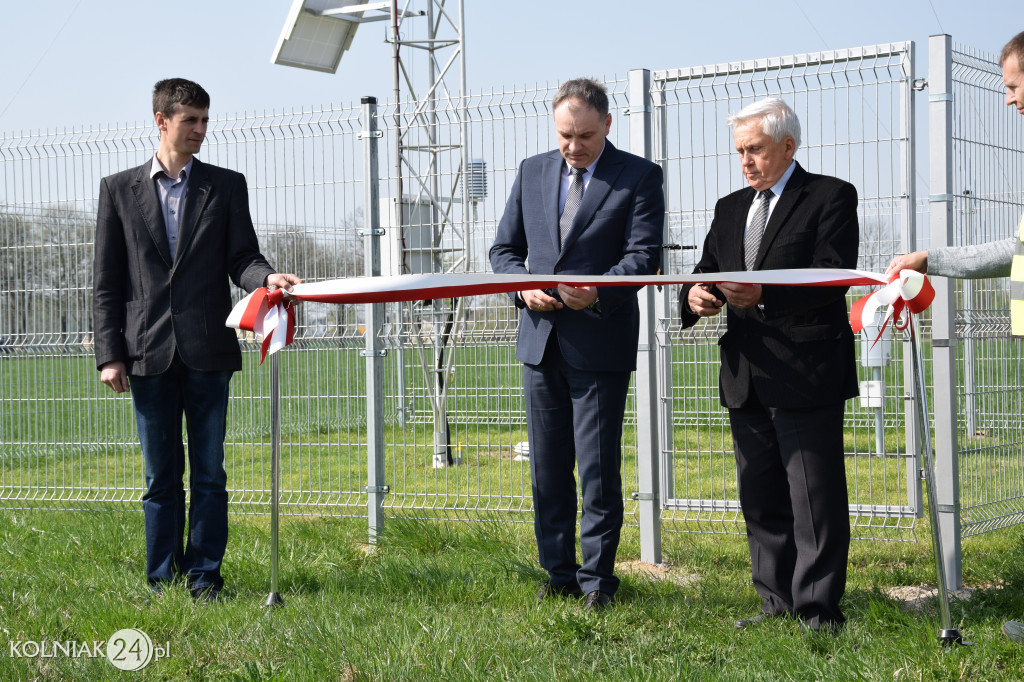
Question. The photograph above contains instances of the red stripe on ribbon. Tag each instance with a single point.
(263, 309)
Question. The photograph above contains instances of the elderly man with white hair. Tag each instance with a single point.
(787, 365)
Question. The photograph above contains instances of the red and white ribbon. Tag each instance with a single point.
(256, 308)
(906, 291)
(269, 316)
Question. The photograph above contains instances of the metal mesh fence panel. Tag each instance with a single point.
(988, 199)
(452, 386)
(67, 440)
(855, 109)
(480, 428)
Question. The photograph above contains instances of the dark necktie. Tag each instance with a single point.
(754, 233)
(572, 202)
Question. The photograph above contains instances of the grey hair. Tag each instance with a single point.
(778, 120)
(587, 90)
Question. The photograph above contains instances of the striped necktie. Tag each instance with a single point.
(572, 203)
(755, 231)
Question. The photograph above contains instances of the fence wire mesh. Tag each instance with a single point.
(988, 185)
(854, 111)
(452, 386)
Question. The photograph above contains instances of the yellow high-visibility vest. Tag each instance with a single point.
(1017, 284)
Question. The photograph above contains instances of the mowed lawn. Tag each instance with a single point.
(455, 601)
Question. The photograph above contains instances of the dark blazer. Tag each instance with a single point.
(144, 304)
(617, 230)
(799, 351)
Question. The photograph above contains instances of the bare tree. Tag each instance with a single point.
(66, 240)
(879, 242)
(19, 270)
(317, 255)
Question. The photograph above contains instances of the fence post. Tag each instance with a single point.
(908, 236)
(646, 385)
(940, 182)
(374, 353)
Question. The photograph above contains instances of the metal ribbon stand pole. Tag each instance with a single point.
(274, 598)
(948, 635)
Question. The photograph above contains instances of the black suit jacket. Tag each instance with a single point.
(146, 305)
(617, 230)
(798, 352)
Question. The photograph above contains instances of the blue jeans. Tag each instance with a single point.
(160, 402)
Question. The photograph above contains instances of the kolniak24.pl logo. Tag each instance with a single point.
(127, 649)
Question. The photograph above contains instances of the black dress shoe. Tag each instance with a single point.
(828, 627)
(598, 601)
(744, 623)
(549, 590)
(206, 594)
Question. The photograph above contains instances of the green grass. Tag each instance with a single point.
(332, 472)
(64, 436)
(455, 601)
(440, 600)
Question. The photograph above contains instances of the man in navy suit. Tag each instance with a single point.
(169, 234)
(584, 209)
(787, 365)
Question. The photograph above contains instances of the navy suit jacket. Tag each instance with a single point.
(146, 304)
(618, 230)
(798, 352)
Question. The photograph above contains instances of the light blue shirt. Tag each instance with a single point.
(171, 192)
(776, 190)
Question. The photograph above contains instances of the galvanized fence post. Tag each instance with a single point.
(908, 242)
(374, 352)
(274, 598)
(646, 386)
(940, 182)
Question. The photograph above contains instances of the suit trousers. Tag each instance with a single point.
(792, 487)
(574, 419)
(160, 402)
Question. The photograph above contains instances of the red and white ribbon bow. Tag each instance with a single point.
(906, 291)
(269, 315)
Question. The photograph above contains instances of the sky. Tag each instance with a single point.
(79, 64)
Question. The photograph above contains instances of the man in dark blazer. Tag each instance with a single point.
(787, 365)
(169, 234)
(589, 209)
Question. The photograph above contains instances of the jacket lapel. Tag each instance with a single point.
(605, 173)
(196, 195)
(551, 184)
(144, 189)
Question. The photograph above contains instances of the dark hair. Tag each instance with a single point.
(587, 90)
(171, 93)
(1014, 48)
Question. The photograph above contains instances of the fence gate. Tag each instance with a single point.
(856, 108)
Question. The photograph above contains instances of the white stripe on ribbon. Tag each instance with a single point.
(252, 313)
